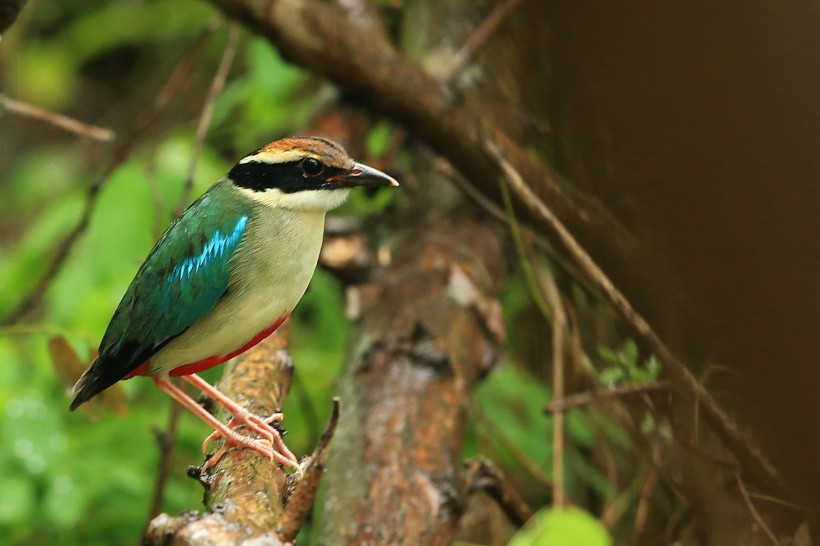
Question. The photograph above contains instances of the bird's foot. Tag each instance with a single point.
(270, 446)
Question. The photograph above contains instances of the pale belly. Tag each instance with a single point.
(271, 285)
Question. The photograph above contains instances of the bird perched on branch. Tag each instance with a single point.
(225, 275)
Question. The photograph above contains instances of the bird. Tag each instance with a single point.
(224, 276)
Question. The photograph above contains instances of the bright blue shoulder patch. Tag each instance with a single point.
(213, 249)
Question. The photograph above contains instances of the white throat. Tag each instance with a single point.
(305, 200)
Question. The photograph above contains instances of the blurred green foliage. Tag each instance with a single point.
(72, 478)
(68, 478)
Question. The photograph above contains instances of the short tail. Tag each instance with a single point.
(88, 385)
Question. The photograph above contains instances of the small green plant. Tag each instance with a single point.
(625, 366)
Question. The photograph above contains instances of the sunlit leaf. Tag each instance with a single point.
(562, 527)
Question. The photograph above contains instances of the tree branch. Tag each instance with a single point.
(247, 496)
(58, 120)
(322, 38)
(588, 397)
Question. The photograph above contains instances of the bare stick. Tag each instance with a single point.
(165, 440)
(741, 445)
(559, 326)
(508, 218)
(301, 498)
(642, 511)
(206, 115)
(479, 37)
(588, 397)
(58, 120)
(143, 121)
(755, 514)
(159, 202)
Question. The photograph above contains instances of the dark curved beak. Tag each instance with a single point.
(362, 175)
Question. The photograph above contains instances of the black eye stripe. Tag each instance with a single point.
(288, 177)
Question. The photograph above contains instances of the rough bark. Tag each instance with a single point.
(431, 331)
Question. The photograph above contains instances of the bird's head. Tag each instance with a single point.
(303, 174)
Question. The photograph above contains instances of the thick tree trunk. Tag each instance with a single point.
(430, 332)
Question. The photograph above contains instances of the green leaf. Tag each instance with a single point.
(611, 376)
(562, 527)
(630, 353)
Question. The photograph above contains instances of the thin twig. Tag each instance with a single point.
(506, 217)
(479, 38)
(523, 256)
(624, 502)
(559, 326)
(559, 405)
(156, 196)
(738, 442)
(205, 116)
(165, 440)
(755, 514)
(58, 120)
(301, 499)
(172, 85)
(45, 330)
(777, 501)
(642, 511)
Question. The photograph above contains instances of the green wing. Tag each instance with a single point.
(180, 282)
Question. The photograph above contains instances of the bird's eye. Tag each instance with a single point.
(312, 167)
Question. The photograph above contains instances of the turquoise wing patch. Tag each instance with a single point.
(194, 286)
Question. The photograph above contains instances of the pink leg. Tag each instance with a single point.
(230, 435)
(241, 416)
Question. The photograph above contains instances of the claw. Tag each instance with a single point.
(270, 445)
